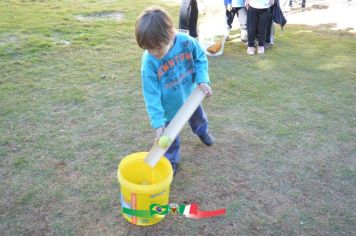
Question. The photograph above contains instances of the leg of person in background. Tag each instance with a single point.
(262, 27)
(252, 19)
(303, 3)
(184, 15)
(193, 19)
(230, 15)
(242, 13)
(270, 29)
(188, 17)
(229, 18)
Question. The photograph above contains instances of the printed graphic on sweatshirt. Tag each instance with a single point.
(176, 71)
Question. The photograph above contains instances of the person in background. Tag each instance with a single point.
(270, 28)
(237, 7)
(173, 65)
(291, 3)
(188, 16)
(258, 12)
(275, 17)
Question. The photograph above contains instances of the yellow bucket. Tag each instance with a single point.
(142, 186)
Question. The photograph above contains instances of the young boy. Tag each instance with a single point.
(173, 64)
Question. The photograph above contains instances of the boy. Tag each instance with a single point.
(173, 64)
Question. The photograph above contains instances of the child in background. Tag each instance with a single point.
(237, 7)
(258, 12)
(173, 64)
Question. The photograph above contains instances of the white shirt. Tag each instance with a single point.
(259, 4)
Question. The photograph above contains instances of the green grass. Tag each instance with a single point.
(71, 108)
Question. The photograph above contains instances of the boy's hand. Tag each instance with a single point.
(159, 132)
(206, 89)
(228, 7)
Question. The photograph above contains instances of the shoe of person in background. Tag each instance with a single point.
(260, 49)
(227, 33)
(268, 45)
(250, 51)
(243, 35)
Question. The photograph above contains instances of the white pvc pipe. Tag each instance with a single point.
(176, 125)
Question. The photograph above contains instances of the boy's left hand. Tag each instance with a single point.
(206, 89)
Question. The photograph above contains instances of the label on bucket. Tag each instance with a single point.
(134, 206)
(125, 203)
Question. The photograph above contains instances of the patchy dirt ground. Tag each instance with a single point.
(339, 14)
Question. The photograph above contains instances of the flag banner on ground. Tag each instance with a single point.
(189, 211)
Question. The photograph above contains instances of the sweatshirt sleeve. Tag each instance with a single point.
(152, 96)
(200, 63)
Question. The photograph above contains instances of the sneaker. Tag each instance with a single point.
(261, 49)
(206, 139)
(227, 34)
(268, 45)
(175, 167)
(243, 35)
(250, 51)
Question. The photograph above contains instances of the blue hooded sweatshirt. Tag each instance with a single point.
(168, 82)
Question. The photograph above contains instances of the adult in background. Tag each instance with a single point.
(237, 7)
(258, 12)
(188, 17)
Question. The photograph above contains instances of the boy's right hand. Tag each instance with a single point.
(159, 132)
(228, 7)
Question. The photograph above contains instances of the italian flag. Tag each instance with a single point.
(192, 211)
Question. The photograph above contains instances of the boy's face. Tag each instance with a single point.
(161, 51)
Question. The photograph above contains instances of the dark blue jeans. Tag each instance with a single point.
(199, 124)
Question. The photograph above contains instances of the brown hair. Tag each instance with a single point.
(153, 27)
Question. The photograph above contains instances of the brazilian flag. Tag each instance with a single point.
(155, 209)
(159, 209)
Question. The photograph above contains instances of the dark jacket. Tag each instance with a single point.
(277, 15)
